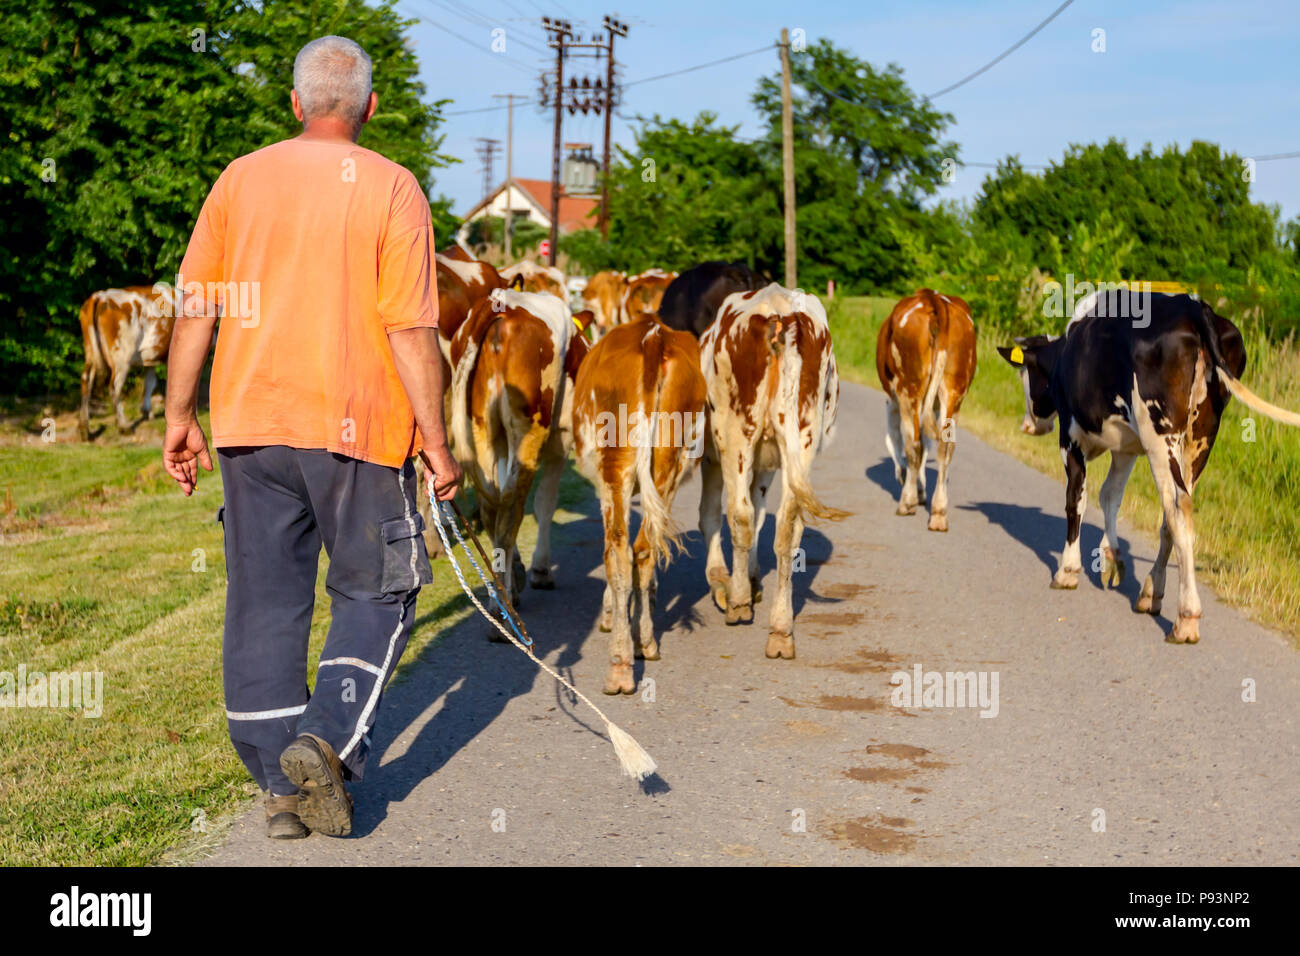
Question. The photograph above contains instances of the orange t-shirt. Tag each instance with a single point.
(316, 250)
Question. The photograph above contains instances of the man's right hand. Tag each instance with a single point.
(444, 472)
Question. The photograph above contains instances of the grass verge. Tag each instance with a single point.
(105, 567)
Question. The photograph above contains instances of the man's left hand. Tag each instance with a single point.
(185, 447)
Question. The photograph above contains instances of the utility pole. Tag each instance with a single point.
(560, 31)
(510, 172)
(613, 28)
(487, 151)
(787, 161)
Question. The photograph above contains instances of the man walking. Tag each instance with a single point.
(327, 380)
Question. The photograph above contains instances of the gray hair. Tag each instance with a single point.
(332, 77)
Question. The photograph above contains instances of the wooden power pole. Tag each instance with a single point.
(613, 28)
(510, 171)
(787, 163)
(560, 31)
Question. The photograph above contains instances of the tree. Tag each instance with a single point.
(121, 115)
(1189, 213)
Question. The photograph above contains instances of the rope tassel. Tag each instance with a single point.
(631, 755)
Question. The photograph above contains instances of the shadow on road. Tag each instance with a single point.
(473, 679)
(1044, 534)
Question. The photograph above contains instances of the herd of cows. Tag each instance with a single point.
(715, 365)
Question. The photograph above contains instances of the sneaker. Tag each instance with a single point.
(323, 802)
(282, 820)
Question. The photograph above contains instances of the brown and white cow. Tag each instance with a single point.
(773, 394)
(603, 295)
(925, 356)
(638, 423)
(512, 362)
(538, 278)
(121, 328)
(645, 292)
(462, 282)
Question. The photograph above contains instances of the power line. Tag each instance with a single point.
(647, 79)
(692, 69)
(1006, 53)
(463, 39)
(480, 20)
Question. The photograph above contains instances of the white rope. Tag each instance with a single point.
(631, 755)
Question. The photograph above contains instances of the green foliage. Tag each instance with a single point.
(131, 111)
(867, 150)
(1189, 213)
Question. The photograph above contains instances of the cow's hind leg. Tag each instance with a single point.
(1110, 496)
(87, 386)
(1153, 588)
(715, 567)
(643, 596)
(1168, 467)
(118, 386)
(894, 438)
(947, 440)
(1076, 499)
(759, 486)
(545, 499)
(615, 507)
(914, 450)
(789, 532)
(150, 383)
(736, 473)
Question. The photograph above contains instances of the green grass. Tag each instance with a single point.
(1247, 502)
(97, 558)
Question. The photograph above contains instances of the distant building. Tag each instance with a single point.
(531, 198)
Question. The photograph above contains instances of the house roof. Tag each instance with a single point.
(576, 212)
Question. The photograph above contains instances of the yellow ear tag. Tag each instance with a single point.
(1018, 355)
(576, 323)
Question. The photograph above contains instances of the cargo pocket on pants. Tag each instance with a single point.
(406, 562)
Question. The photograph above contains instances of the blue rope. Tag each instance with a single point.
(441, 510)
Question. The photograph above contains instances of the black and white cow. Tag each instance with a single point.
(692, 299)
(1153, 382)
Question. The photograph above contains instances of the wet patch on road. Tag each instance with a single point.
(879, 834)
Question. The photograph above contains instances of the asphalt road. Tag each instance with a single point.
(1109, 746)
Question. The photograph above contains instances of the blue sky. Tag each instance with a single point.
(1172, 72)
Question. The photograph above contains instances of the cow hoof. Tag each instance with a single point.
(780, 645)
(618, 680)
(1148, 602)
(1187, 630)
(905, 510)
(720, 596)
(1065, 580)
(648, 652)
(740, 614)
(755, 590)
(938, 522)
(543, 579)
(1112, 570)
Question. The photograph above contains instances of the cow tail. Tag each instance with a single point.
(938, 362)
(1210, 336)
(462, 376)
(783, 340)
(662, 533)
(96, 337)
